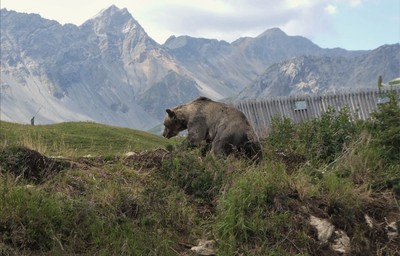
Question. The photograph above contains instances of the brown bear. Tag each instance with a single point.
(223, 127)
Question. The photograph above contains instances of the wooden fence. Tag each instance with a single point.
(298, 108)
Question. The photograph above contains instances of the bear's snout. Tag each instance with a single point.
(166, 134)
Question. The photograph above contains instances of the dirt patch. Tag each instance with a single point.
(147, 159)
(86, 162)
(291, 160)
(29, 164)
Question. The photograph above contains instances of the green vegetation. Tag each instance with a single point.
(320, 140)
(161, 202)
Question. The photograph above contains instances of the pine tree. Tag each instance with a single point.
(380, 80)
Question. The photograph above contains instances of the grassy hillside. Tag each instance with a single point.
(162, 202)
(79, 138)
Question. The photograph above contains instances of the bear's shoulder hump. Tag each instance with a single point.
(202, 98)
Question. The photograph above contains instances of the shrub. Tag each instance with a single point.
(333, 133)
(320, 140)
(282, 134)
(385, 129)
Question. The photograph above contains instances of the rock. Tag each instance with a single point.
(130, 154)
(341, 243)
(369, 221)
(205, 247)
(324, 228)
(391, 230)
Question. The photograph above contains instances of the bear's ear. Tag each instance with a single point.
(170, 113)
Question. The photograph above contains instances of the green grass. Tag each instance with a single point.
(80, 138)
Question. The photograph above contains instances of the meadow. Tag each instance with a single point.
(70, 188)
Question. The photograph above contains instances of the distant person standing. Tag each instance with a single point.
(33, 118)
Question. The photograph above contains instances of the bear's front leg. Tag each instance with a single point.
(196, 135)
(220, 147)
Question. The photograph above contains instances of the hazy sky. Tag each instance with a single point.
(350, 24)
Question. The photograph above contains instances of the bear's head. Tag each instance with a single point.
(173, 124)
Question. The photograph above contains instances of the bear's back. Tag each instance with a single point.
(218, 112)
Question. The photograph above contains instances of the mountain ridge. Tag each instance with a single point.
(109, 70)
(323, 74)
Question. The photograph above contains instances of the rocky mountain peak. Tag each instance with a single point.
(113, 12)
(194, 44)
(277, 39)
(117, 31)
(114, 21)
(273, 32)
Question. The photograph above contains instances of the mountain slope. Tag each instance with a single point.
(66, 70)
(313, 74)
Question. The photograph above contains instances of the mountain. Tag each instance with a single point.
(108, 70)
(319, 74)
(231, 67)
(97, 71)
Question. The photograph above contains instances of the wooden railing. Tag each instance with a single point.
(298, 108)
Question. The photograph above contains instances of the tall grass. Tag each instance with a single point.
(247, 214)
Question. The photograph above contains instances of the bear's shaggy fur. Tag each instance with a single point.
(224, 127)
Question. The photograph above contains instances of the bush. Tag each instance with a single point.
(384, 127)
(333, 132)
(282, 133)
(320, 140)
